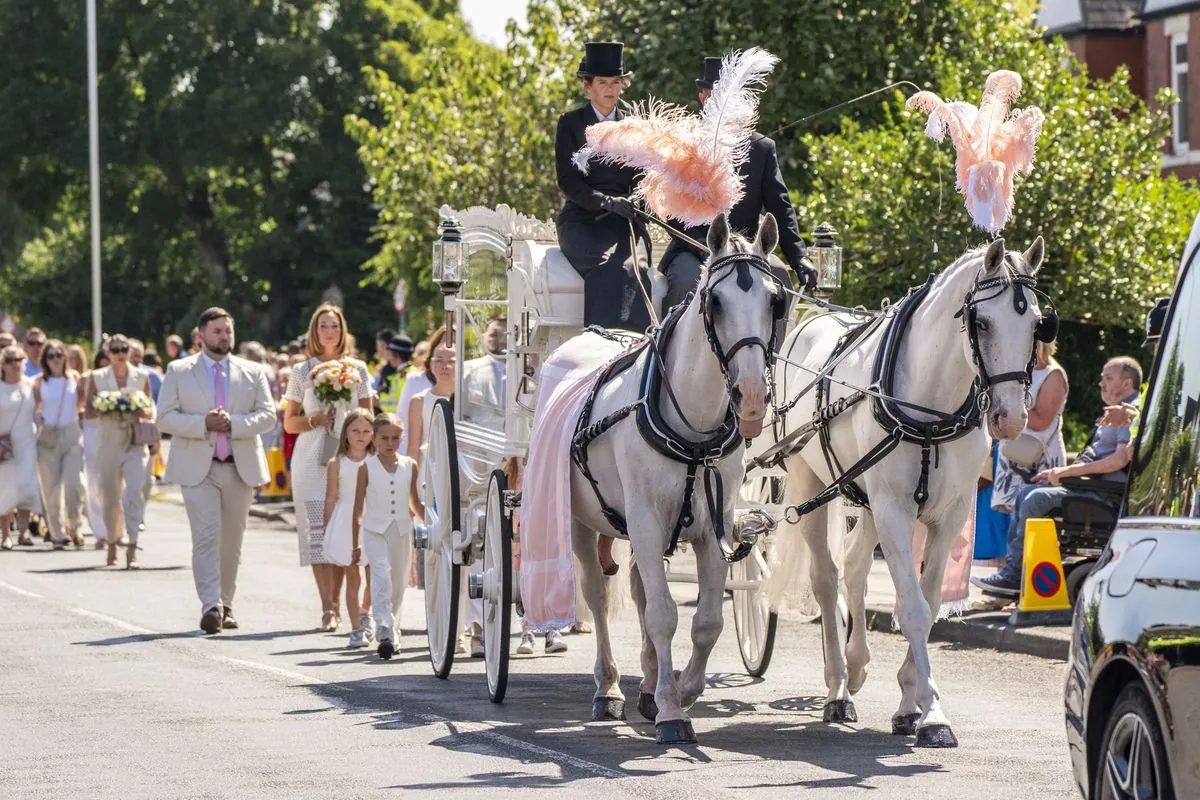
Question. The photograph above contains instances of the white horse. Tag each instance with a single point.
(715, 363)
(935, 367)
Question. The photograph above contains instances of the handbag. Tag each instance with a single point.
(144, 433)
(48, 436)
(6, 441)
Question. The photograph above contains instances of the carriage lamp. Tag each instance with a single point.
(827, 259)
(450, 268)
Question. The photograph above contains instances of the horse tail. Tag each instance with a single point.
(789, 585)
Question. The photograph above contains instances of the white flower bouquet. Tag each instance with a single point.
(123, 403)
(335, 381)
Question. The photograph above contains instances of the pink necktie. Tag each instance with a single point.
(222, 438)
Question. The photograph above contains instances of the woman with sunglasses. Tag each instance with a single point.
(60, 449)
(121, 463)
(91, 437)
(18, 447)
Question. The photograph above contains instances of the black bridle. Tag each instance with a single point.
(741, 264)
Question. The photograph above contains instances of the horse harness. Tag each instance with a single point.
(888, 410)
(721, 441)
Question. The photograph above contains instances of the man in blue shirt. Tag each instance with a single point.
(35, 340)
(1106, 456)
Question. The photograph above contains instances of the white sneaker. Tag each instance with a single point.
(555, 643)
(525, 648)
(357, 639)
(366, 624)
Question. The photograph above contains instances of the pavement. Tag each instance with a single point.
(109, 692)
(983, 625)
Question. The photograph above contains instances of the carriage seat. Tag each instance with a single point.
(558, 287)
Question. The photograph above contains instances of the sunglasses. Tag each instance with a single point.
(53, 356)
(34, 343)
(13, 360)
(118, 350)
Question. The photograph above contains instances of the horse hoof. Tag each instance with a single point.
(905, 724)
(936, 736)
(605, 709)
(840, 711)
(647, 707)
(675, 731)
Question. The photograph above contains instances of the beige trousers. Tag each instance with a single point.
(217, 509)
(61, 471)
(121, 476)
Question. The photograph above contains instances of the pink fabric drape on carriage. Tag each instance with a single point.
(547, 557)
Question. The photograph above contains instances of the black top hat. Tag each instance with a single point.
(603, 60)
(1156, 320)
(401, 345)
(709, 74)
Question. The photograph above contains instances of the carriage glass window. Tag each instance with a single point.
(482, 341)
(1167, 468)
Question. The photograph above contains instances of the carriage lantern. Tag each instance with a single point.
(450, 267)
(827, 258)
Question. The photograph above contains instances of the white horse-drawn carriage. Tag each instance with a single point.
(517, 274)
(887, 407)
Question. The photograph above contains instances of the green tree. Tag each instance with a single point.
(228, 176)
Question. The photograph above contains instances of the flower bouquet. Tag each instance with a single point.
(335, 381)
(122, 403)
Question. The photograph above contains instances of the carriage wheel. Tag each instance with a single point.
(442, 512)
(497, 587)
(753, 620)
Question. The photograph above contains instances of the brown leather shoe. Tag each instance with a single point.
(210, 623)
(227, 619)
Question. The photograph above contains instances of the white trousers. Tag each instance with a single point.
(61, 471)
(217, 509)
(387, 554)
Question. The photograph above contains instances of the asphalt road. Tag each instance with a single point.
(108, 690)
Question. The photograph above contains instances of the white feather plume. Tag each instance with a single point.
(729, 116)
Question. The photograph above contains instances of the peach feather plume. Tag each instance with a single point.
(691, 163)
(992, 145)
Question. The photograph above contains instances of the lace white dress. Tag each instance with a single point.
(18, 475)
(312, 452)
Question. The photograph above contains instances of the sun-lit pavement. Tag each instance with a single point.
(110, 691)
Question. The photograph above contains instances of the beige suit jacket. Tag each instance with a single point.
(186, 398)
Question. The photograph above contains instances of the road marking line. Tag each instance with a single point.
(457, 728)
(20, 591)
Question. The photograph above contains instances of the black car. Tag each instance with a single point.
(1133, 687)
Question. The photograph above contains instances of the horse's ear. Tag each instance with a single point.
(1034, 256)
(718, 235)
(768, 235)
(993, 260)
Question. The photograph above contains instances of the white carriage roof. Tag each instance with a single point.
(504, 220)
(1078, 16)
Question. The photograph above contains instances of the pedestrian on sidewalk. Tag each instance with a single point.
(18, 447)
(60, 448)
(215, 406)
(385, 506)
(91, 439)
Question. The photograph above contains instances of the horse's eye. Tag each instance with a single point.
(981, 325)
(716, 304)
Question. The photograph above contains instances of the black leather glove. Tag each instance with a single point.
(807, 274)
(621, 206)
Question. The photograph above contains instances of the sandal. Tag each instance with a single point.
(6, 544)
(112, 556)
(131, 561)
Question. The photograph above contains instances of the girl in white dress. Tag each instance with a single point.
(342, 547)
(317, 428)
(385, 504)
(18, 440)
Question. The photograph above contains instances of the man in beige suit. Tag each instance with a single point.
(216, 406)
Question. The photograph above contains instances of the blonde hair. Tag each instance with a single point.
(344, 441)
(313, 346)
(385, 418)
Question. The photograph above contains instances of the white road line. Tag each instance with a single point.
(20, 591)
(456, 728)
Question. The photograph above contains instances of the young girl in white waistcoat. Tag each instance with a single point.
(385, 505)
(342, 542)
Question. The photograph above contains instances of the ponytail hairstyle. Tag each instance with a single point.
(344, 441)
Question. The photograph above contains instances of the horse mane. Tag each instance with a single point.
(970, 260)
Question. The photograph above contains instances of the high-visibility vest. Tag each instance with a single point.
(389, 395)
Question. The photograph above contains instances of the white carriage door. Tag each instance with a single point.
(1179, 84)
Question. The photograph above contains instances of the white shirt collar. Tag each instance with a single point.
(211, 363)
(604, 118)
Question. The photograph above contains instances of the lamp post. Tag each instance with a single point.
(94, 159)
(449, 268)
(827, 259)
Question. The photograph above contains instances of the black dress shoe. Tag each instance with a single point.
(210, 623)
(227, 619)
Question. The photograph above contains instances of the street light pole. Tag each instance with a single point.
(94, 148)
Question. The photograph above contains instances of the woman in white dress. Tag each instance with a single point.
(18, 447)
(120, 464)
(1044, 429)
(60, 448)
(317, 429)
